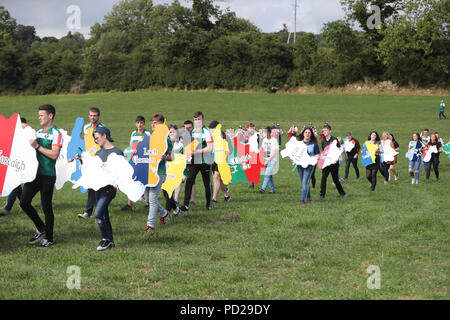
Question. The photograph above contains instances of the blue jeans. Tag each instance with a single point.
(268, 178)
(90, 203)
(104, 196)
(154, 206)
(16, 193)
(305, 175)
(415, 164)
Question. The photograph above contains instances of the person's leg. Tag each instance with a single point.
(104, 197)
(417, 170)
(46, 189)
(335, 176)
(205, 170)
(216, 185)
(11, 199)
(306, 178)
(428, 170)
(154, 206)
(90, 203)
(411, 167)
(369, 175)
(176, 193)
(323, 183)
(268, 178)
(194, 193)
(355, 165)
(192, 174)
(348, 161)
(313, 177)
(300, 171)
(436, 168)
(374, 178)
(386, 172)
(265, 181)
(29, 191)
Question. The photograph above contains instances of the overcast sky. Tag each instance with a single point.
(49, 16)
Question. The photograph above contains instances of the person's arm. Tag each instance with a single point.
(208, 149)
(52, 153)
(357, 148)
(168, 156)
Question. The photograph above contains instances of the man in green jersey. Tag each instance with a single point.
(48, 144)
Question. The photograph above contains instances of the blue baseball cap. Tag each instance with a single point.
(104, 130)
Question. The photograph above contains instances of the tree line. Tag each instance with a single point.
(141, 45)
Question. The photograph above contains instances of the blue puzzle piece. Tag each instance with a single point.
(76, 144)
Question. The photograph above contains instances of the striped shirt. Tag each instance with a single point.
(136, 137)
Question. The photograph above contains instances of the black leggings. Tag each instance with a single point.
(170, 202)
(44, 185)
(193, 170)
(351, 160)
(371, 175)
(435, 162)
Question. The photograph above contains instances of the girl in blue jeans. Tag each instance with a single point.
(305, 174)
(415, 145)
(270, 148)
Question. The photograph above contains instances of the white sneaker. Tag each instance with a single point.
(396, 177)
(417, 181)
(84, 215)
(413, 180)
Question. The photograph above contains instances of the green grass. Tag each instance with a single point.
(256, 246)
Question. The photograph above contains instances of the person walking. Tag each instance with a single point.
(441, 110)
(434, 161)
(332, 168)
(48, 144)
(201, 161)
(309, 139)
(351, 157)
(270, 149)
(416, 146)
(94, 122)
(105, 195)
(153, 192)
(372, 169)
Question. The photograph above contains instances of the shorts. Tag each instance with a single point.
(214, 167)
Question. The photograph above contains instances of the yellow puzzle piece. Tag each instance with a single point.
(158, 146)
(174, 172)
(89, 142)
(220, 155)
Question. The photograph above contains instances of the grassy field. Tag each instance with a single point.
(256, 246)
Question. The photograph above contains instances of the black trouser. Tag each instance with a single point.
(384, 169)
(193, 170)
(90, 203)
(313, 177)
(334, 170)
(442, 113)
(435, 162)
(170, 202)
(44, 185)
(371, 175)
(351, 160)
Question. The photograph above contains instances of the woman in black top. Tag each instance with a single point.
(434, 158)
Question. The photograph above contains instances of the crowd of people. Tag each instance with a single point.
(49, 141)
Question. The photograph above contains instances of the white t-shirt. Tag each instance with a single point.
(269, 146)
